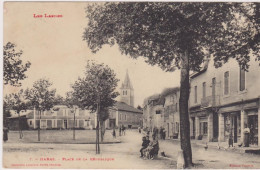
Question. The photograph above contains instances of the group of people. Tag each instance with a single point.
(156, 132)
(149, 148)
(121, 131)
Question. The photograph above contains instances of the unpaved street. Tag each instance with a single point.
(118, 155)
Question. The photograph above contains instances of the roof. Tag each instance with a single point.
(125, 107)
(202, 70)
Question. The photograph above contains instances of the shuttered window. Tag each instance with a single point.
(242, 78)
(226, 83)
(195, 94)
(204, 89)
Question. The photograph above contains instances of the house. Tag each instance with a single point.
(124, 114)
(58, 117)
(62, 117)
(171, 112)
(153, 110)
(223, 101)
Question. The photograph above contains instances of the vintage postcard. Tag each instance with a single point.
(131, 85)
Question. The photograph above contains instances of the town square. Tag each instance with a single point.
(131, 85)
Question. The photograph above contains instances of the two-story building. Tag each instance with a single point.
(223, 101)
(58, 117)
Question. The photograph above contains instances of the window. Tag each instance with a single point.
(30, 122)
(226, 83)
(195, 94)
(204, 89)
(176, 105)
(158, 111)
(242, 79)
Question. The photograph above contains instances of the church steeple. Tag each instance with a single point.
(127, 83)
(127, 91)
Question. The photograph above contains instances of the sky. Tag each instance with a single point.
(56, 49)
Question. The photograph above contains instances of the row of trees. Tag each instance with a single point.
(177, 35)
(95, 91)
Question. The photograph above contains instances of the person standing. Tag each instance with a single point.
(123, 129)
(5, 134)
(114, 133)
(164, 134)
(120, 130)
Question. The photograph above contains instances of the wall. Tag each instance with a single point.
(252, 82)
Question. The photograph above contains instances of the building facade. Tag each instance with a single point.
(59, 117)
(223, 101)
(162, 111)
(125, 115)
(171, 112)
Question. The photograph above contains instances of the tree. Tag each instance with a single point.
(6, 114)
(96, 92)
(176, 36)
(41, 97)
(14, 69)
(59, 100)
(16, 102)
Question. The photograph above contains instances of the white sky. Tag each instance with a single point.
(56, 50)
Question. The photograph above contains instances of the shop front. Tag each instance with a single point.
(232, 126)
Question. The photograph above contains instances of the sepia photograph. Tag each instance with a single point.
(131, 85)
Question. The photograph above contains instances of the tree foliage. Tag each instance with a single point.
(14, 68)
(163, 32)
(40, 95)
(99, 83)
(16, 101)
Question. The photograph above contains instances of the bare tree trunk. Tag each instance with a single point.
(97, 129)
(102, 130)
(74, 125)
(184, 108)
(39, 128)
(19, 126)
(98, 146)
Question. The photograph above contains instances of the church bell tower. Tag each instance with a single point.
(127, 91)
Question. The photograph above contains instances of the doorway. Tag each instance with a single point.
(215, 127)
(112, 123)
(253, 126)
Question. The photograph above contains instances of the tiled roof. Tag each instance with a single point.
(125, 107)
